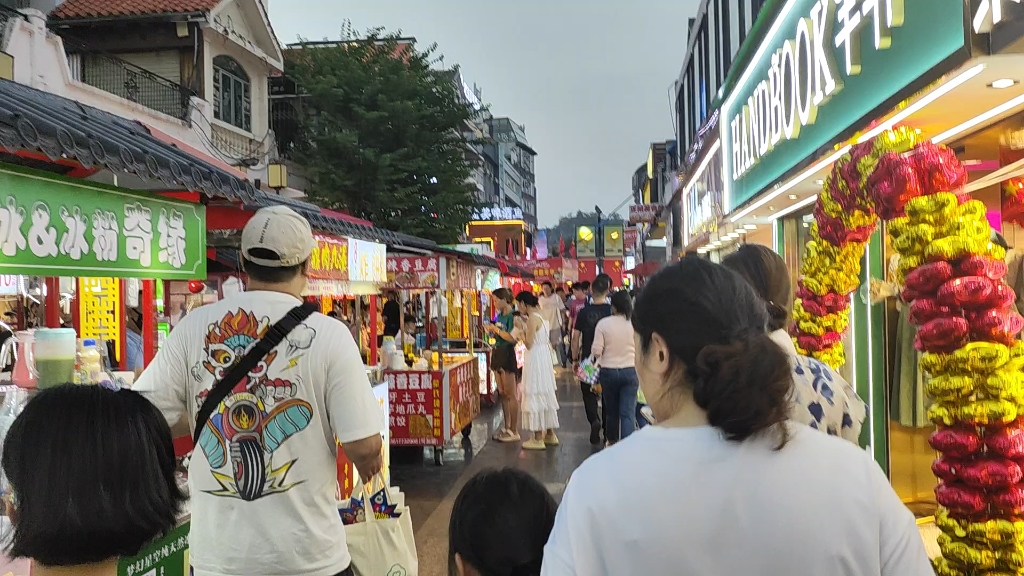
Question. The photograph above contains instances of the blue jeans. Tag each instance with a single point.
(619, 387)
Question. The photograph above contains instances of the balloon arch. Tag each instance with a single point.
(952, 278)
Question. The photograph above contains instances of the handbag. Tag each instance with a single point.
(383, 546)
(520, 355)
(274, 336)
(587, 371)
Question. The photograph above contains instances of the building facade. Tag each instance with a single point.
(513, 158)
(196, 71)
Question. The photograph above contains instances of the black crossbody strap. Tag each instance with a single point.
(277, 333)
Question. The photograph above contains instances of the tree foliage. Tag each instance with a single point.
(566, 228)
(381, 134)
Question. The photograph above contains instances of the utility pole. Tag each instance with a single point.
(599, 241)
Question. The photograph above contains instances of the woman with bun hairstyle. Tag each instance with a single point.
(724, 484)
(822, 398)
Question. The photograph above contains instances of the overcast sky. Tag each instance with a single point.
(590, 80)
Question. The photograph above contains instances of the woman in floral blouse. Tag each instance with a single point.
(822, 399)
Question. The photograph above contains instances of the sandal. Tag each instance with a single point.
(508, 437)
(500, 434)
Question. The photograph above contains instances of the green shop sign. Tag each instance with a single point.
(54, 226)
(167, 556)
(823, 67)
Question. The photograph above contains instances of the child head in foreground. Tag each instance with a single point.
(91, 477)
(499, 525)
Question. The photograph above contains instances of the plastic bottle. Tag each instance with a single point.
(91, 362)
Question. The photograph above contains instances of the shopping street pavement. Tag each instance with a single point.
(431, 490)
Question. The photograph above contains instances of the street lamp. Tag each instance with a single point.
(599, 244)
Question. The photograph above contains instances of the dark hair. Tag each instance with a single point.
(409, 319)
(269, 274)
(548, 284)
(579, 286)
(602, 284)
(92, 472)
(332, 314)
(528, 298)
(768, 275)
(500, 522)
(715, 327)
(622, 303)
(503, 294)
(560, 289)
(585, 285)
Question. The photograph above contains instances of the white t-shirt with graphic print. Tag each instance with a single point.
(264, 475)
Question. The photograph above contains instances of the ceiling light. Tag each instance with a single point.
(819, 182)
(732, 236)
(1003, 83)
(771, 208)
(750, 226)
(983, 117)
(793, 196)
(741, 231)
(824, 163)
(702, 250)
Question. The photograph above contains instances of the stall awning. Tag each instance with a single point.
(33, 121)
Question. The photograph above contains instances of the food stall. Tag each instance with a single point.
(439, 395)
(81, 252)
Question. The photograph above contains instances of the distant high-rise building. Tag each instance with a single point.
(513, 160)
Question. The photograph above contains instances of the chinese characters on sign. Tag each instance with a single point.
(330, 259)
(49, 226)
(642, 213)
(464, 401)
(415, 401)
(367, 261)
(99, 302)
(498, 213)
(167, 556)
(413, 272)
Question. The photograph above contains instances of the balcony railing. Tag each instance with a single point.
(113, 75)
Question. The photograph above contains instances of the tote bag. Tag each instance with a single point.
(383, 547)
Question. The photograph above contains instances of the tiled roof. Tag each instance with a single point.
(72, 9)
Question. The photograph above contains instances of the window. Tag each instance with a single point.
(232, 93)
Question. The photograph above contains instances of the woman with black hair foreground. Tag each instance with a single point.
(499, 524)
(822, 398)
(90, 474)
(728, 485)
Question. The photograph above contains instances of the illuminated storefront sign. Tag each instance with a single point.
(368, 261)
(60, 227)
(703, 197)
(330, 259)
(824, 67)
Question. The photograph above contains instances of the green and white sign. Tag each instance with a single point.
(825, 66)
(167, 556)
(54, 226)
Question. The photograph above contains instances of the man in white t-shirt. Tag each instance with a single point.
(264, 475)
(552, 307)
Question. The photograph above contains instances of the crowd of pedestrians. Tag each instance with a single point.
(732, 479)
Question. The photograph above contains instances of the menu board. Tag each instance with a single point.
(415, 401)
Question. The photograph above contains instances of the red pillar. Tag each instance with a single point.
(52, 302)
(372, 359)
(148, 309)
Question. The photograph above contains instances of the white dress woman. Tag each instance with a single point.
(539, 404)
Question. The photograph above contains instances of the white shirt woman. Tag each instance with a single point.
(725, 484)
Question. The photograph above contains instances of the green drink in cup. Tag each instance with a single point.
(55, 350)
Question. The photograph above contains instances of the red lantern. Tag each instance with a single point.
(196, 286)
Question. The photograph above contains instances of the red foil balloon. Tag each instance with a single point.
(196, 286)
(981, 266)
(924, 310)
(892, 184)
(1001, 296)
(996, 325)
(812, 343)
(946, 468)
(990, 473)
(928, 278)
(968, 292)
(960, 442)
(1007, 442)
(962, 500)
(938, 169)
(943, 335)
(1009, 501)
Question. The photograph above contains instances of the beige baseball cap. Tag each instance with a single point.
(280, 237)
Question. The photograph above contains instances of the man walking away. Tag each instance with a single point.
(579, 300)
(552, 308)
(264, 473)
(583, 341)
